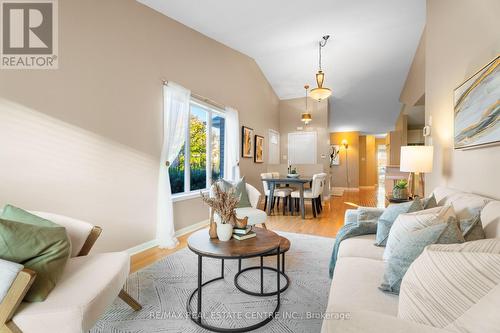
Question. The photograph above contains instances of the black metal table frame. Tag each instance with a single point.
(262, 268)
(196, 317)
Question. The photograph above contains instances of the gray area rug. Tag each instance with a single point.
(164, 287)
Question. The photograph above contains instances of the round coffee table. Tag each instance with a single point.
(266, 243)
(284, 247)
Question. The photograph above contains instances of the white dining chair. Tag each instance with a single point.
(279, 193)
(314, 193)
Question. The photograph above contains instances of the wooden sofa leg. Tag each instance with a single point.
(129, 300)
(264, 226)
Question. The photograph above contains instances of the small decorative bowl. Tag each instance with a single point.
(293, 175)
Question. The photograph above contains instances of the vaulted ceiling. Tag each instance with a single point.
(366, 60)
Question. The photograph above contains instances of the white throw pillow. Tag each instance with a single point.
(406, 223)
(8, 273)
(455, 287)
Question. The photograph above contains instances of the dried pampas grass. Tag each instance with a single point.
(223, 203)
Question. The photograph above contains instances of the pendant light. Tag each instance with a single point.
(320, 92)
(306, 116)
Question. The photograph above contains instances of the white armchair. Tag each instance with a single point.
(255, 215)
(87, 287)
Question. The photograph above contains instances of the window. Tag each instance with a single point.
(201, 159)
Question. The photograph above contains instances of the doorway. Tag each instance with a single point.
(381, 164)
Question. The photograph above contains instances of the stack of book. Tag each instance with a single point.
(243, 233)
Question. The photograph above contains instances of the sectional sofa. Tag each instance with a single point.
(356, 304)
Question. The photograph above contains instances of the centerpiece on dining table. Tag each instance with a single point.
(223, 203)
(292, 172)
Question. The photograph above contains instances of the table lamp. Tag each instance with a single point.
(416, 160)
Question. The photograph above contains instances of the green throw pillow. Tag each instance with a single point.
(390, 215)
(240, 189)
(36, 243)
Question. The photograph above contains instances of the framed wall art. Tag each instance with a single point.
(259, 149)
(246, 142)
(477, 108)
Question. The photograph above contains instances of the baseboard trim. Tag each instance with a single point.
(191, 228)
(142, 247)
(153, 243)
(347, 189)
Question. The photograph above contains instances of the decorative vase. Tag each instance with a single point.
(224, 231)
(400, 193)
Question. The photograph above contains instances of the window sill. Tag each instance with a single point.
(187, 196)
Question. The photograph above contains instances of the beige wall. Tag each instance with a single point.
(84, 140)
(461, 37)
(414, 87)
(290, 112)
(339, 172)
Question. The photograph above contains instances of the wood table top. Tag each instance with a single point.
(265, 241)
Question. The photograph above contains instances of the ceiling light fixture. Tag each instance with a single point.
(320, 92)
(306, 116)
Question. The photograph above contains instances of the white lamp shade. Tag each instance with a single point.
(416, 159)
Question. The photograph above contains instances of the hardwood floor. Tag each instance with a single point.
(326, 224)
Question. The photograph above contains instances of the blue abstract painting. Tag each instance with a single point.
(477, 108)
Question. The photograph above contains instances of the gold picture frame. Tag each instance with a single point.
(247, 142)
(259, 149)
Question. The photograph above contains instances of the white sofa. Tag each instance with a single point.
(356, 304)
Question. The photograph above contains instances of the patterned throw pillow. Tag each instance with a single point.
(406, 223)
(454, 287)
(472, 228)
(390, 215)
(411, 245)
(430, 202)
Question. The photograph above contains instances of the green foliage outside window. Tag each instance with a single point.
(198, 158)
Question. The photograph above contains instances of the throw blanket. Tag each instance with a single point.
(365, 224)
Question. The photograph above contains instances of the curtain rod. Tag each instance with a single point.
(202, 98)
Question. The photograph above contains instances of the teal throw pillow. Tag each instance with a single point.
(390, 215)
(411, 245)
(369, 214)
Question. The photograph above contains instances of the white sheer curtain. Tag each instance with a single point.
(175, 121)
(232, 145)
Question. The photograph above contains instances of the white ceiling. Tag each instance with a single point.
(366, 60)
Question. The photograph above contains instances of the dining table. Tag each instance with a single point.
(297, 181)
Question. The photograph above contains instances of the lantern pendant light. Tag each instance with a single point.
(306, 116)
(320, 92)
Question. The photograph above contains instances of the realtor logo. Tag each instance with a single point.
(28, 34)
